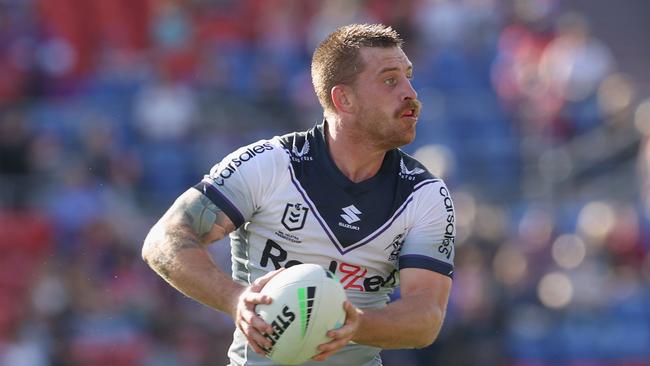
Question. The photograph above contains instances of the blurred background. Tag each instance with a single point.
(536, 112)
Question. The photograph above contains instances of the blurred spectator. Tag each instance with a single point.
(165, 111)
(15, 165)
(574, 63)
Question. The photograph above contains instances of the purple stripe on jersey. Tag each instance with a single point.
(372, 236)
(221, 201)
(392, 219)
(311, 205)
(424, 183)
(425, 262)
(382, 228)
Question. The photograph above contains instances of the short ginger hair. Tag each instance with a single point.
(336, 60)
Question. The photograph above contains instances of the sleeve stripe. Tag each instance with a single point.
(424, 262)
(221, 201)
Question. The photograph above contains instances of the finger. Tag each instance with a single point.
(351, 312)
(251, 324)
(341, 333)
(256, 322)
(346, 330)
(323, 356)
(333, 346)
(259, 283)
(256, 348)
(253, 298)
(351, 322)
(341, 336)
(256, 339)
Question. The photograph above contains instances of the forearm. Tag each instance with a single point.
(176, 254)
(411, 322)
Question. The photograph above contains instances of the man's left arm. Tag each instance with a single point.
(426, 266)
(413, 321)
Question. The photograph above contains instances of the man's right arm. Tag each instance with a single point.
(176, 249)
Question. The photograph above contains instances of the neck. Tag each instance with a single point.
(353, 155)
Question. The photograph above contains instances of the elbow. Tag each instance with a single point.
(150, 252)
(156, 258)
(426, 340)
(146, 252)
(430, 328)
(148, 248)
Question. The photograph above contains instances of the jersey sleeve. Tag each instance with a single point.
(239, 184)
(430, 242)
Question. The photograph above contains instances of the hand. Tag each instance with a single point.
(341, 336)
(253, 327)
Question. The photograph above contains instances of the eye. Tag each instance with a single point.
(390, 81)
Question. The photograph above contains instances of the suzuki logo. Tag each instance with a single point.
(350, 214)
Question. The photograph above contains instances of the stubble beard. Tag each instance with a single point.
(376, 128)
(384, 130)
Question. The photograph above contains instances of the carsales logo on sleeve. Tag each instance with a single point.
(447, 245)
(220, 172)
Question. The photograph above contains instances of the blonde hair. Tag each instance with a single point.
(336, 60)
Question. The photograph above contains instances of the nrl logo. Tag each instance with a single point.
(405, 173)
(301, 155)
(294, 216)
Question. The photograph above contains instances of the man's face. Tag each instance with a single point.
(387, 103)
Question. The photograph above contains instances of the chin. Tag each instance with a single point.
(402, 140)
(409, 135)
(408, 140)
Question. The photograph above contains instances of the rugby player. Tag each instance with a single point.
(341, 195)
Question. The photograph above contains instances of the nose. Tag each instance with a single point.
(409, 92)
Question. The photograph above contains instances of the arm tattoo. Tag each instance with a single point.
(201, 214)
(174, 240)
(189, 219)
(197, 215)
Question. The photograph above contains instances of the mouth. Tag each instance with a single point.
(410, 110)
(410, 113)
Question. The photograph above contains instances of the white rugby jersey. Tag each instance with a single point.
(292, 205)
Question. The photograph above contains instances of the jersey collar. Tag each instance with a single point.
(320, 142)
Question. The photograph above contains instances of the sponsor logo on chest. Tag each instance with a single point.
(350, 215)
(408, 174)
(351, 276)
(302, 154)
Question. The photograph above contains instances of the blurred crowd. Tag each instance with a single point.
(109, 109)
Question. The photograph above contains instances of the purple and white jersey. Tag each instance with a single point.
(292, 205)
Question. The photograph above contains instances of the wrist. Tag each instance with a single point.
(233, 299)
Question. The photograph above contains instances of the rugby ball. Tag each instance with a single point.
(307, 302)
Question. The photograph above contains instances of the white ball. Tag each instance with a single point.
(307, 302)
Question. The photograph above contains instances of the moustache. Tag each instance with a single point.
(408, 105)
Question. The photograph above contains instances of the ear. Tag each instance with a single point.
(342, 98)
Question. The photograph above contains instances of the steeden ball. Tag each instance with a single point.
(307, 303)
